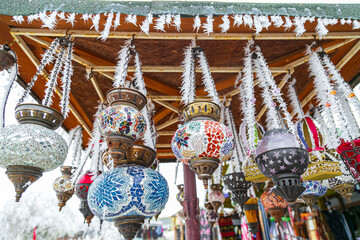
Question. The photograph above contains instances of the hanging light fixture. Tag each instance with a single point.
(216, 196)
(7, 60)
(31, 148)
(130, 192)
(180, 196)
(251, 213)
(63, 186)
(313, 191)
(275, 204)
(238, 186)
(211, 215)
(202, 142)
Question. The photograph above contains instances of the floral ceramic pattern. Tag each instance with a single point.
(31, 145)
(123, 120)
(216, 196)
(128, 191)
(63, 184)
(202, 138)
(314, 188)
(271, 200)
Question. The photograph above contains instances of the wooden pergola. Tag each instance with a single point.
(161, 54)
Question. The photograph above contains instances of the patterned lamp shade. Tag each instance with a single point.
(216, 196)
(63, 186)
(202, 142)
(211, 216)
(350, 154)
(313, 191)
(238, 186)
(31, 148)
(128, 191)
(122, 123)
(310, 135)
(280, 158)
(251, 213)
(275, 204)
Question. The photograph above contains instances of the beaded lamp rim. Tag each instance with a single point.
(196, 115)
(139, 105)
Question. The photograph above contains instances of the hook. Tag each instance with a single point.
(91, 73)
(195, 41)
(132, 42)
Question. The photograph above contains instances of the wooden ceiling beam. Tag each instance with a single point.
(167, 105)
(167, 123)
(36, 62)
(181, 36)
(180, 69)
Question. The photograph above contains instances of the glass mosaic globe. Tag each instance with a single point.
(202, 138)
(31, 145)
(122, 120)
(128, 191)
(271, 200)
(314, 188)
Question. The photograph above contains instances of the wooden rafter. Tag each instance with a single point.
(36, 62)
(181, 36)
(167, 105)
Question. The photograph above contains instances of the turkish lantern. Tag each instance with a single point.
(313, 190)
(216, 196)
(280, 158)
(180, 195)
(350, 154)
(321, 166)
(238, 186)
(251, 213)
(63, 186)
(275, 204)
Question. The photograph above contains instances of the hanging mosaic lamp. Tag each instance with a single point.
(63, 186)
(31, 148)
(180, 196)
(202, 142)
(216, 196)
(81, 191)
(313, 191)
(320, 167)
(275, 204)
(211, 215)
(350, 154)
(251, 213)
(238, 186)
(6, 59)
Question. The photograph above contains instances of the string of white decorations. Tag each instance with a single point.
(256, 22)
(265, 74)
(121, 67)
(326, 94)
(66, 81)
(74, 143)
(188, 84)
(294, 100)
(324, 127)
(217, 175)
(247, 96)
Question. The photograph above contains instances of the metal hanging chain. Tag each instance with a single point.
(53, 78)
(47, 58)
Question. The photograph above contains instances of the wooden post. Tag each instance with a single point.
(191, 205)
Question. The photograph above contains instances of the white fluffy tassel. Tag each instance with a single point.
(225, 26)
(105, 33)
(145, 26)
(160, 23)
(355, 24)
(197, 23)
(299, 25)
(66, 82)
(294, 100)
(95, 20)
(188, 77)
(139, 80)
(177, 22)
(238, 20)
(49, 21)
(18, 19)
(71, 19)
(288, 23)
(121, 73)
(32, 17)
(131, 19)
(277, 21)
(209, 25)
(117, 20)
(248, 21)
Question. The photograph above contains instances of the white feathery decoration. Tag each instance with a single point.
(207, 78)
(71, 18)
(324, 128)
(288, 23)
(349, 115)
(238, 20)
(168, 19)
(248, 21)
(95, 20)
(275, 91)
(32, 17)
(61, 15)
(160, 23)
(257, 25)
(117, 21)
(138, 76)
(177, 22)
(345, 21)
(105, 33)
(48, 21)
(277, 21)
(95, 141)
(321, 26)
(120, 72)
(197, 23)
(299, 25)
(131, 18)
(145, 26)
(66, 81)
(225, 26)
(294, 100)
(247, 95)
(188, 76)
(264, 21)
(85, 17)
(355, 24)
(18, 19)
(217, 175)
(209, 25)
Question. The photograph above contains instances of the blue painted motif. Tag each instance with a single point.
(126, 191)
(314, 188)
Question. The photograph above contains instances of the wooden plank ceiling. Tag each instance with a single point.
(161, 55)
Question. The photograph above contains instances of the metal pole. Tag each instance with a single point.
(191, 205)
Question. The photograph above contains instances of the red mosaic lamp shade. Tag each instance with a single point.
(275, 204)
(350, 154)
